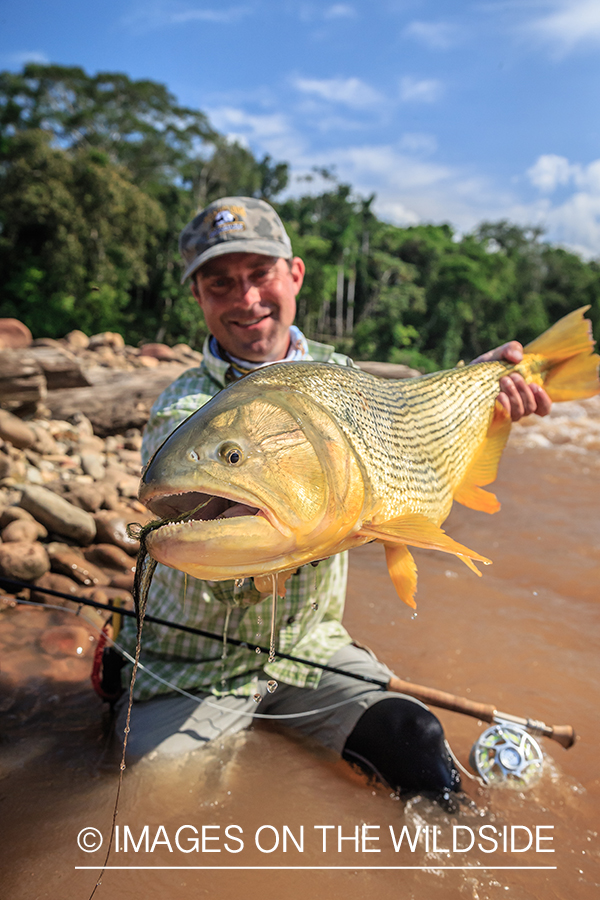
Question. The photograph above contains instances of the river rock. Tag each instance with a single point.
(86, 496)
(159, 351)
(111, 528)
(23, 560)
(111, 339)
(93, 464)
(109, 556)
(66, 640)
(16, 432)
(149, 362)
(6, 466)
(75, 566)
(14, 335)
(54, 581)
(58, 515)
(22, 530)
(123, 580)
(15, 513)
(77, 340)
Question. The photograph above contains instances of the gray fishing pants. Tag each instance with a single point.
(173, 725)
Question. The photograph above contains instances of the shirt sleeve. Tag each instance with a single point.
(182, 398)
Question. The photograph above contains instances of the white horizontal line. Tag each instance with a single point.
(319, 868)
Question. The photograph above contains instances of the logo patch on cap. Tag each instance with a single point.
(227, 218)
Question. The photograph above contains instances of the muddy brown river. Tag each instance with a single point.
(266, 815)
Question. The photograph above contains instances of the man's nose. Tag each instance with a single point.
(246, 292)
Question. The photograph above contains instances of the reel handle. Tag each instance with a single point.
(563, 734)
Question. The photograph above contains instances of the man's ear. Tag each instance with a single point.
(194, 289)
(297, 272)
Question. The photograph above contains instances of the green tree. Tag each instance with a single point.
(75, 237)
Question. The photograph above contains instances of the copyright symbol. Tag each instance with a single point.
(89, 840)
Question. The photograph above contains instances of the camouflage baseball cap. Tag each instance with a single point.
(233, 225)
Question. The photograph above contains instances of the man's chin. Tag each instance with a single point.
(264, 349)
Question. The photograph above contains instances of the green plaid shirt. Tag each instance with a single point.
(309, 617)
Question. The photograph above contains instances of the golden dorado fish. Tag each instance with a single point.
(299, 461)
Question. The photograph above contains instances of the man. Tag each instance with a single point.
(246, 280)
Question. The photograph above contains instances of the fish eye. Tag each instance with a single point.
(231, 454)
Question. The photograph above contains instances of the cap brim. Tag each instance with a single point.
(240, 245)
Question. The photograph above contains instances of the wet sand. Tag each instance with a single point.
(524, 637)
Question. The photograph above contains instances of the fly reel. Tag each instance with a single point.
(506, 754)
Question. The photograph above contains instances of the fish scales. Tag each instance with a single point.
(414, 437)
(298, 461)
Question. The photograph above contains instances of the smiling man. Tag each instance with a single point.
(246, 280)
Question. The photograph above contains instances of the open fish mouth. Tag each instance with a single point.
(194, 506)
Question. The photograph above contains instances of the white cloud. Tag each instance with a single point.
(350, 92)
(23, 57)
(436, 35)
(549, 172)
(161, 14)
(269, 132)
(416, 142)
(411, 189)
(424, 91)
(568, 23)
(339, 11)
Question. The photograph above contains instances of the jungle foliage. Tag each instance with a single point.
(99, 174)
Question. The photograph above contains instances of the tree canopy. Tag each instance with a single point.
(99, 173)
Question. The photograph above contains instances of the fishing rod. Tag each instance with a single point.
(562, 734)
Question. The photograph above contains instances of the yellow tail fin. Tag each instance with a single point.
(571, 366)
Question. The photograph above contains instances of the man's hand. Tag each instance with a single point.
(516, 396)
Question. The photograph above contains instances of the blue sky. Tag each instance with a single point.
(448, 111)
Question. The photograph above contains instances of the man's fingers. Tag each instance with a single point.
(511, 352)
(544, 403)
(523, 399)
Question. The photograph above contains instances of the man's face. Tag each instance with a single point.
(249, 303)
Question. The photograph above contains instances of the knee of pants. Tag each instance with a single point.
(403, 744)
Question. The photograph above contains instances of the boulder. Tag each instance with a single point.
(16, 432)
(14, 335)
(93, 464)
(109, 556)
(77, 340)
(58, 515)
(111, 528)
(54, 582)
(23, 560)
(75, 566)
(111, 339)
(21, 530)
(86, 496)
(158, 351)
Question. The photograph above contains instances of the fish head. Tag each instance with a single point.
(277, 482)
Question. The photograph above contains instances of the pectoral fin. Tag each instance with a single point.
(484, 467)
(417, 530)
(403, 572)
